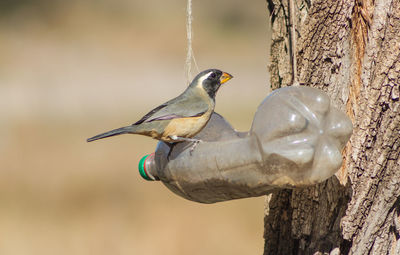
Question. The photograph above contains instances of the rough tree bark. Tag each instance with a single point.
(351, 50)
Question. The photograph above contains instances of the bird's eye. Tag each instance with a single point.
(212, 75)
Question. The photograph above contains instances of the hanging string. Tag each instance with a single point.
(189, 53)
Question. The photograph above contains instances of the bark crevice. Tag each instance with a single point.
(351, 50)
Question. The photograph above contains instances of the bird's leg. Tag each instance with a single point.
(184, 139)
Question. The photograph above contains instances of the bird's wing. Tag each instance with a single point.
(177, 108)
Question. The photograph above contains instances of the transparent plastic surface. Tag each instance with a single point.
(295, 140)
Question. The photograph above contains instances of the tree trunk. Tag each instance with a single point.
(351, 50)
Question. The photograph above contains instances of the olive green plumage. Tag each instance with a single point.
(182, 117)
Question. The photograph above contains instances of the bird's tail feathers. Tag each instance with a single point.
(118, 131)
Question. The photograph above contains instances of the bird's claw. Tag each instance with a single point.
(195, 143)
(184, 139)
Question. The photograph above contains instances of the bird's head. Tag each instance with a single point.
(210, 80)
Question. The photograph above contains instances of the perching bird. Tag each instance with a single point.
(181, 118)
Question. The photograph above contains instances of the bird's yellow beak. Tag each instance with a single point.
(225, 77)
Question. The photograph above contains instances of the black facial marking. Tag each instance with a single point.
(212, 83)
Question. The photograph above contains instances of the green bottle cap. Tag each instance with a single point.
(142, 168)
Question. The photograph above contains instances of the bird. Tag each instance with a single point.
(181, 118)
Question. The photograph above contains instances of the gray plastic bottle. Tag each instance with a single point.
(295, 140)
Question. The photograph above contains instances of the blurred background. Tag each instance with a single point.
(72, 69)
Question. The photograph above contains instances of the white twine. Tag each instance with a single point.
(189, 53)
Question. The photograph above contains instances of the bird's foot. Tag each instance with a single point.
(184, 139)
(195, 143)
